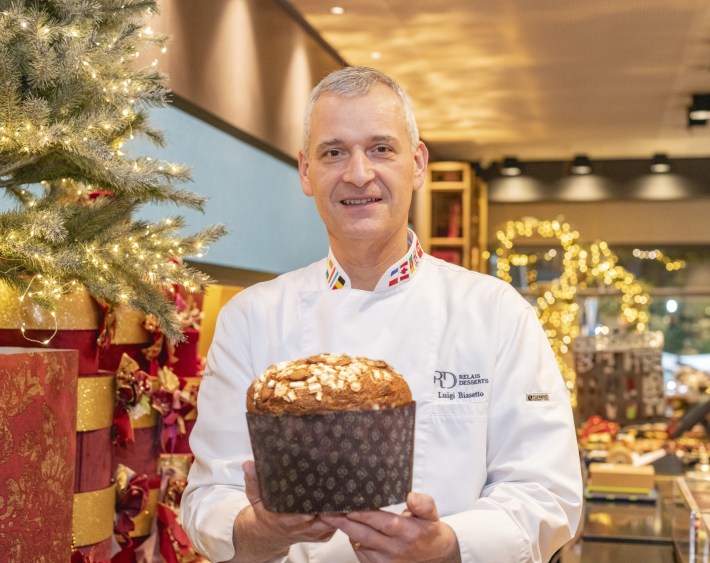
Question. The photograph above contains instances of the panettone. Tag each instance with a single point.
(331, 434)
(327, 383)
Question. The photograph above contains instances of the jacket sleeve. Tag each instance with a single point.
(532, 501)
(219, 440)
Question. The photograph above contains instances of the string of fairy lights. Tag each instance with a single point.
(585, 269)
(120, 93)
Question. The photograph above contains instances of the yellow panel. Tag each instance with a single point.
(215, 298)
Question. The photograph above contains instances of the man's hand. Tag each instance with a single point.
(260, 535)
(415, 535)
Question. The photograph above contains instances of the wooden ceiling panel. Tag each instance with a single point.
(541, 80)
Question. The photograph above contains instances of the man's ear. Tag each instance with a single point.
(303, 174)
(421, 160)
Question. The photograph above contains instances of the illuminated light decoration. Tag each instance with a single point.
(556, 304)
(670, 264)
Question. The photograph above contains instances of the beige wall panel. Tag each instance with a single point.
(247, 62)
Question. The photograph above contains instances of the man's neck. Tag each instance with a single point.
(365, 262)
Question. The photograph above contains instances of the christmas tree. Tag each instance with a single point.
(72, 96)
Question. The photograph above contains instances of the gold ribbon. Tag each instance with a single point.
(92, 520)
(75, 310)
(95, 401)
(129, 326)
(143, 521)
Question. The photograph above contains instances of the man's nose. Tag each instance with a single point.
(359, 170)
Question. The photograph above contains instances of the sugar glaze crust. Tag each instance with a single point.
(327, 382)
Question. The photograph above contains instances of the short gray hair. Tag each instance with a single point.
(358, 81)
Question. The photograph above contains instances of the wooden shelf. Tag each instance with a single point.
(449, 214)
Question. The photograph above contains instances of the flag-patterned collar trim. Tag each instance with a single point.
(400, 272)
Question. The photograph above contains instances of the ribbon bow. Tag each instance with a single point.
(173, 403)
(133, 387)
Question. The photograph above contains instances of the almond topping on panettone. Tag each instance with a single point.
(327, 382)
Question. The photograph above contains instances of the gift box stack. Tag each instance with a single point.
(157, 384)
(156, 397)
(93, 448)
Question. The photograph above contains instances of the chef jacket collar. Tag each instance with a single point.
(399, 272)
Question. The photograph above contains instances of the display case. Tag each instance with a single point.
(691, 520)
(448, 214)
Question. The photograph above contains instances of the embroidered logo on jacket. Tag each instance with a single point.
(537, 396)
(465, 386)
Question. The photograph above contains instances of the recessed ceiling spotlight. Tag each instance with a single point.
(337, 10)
(375, 55)
(510, 167)
(700, 110)
(581, 165)
(660, 164)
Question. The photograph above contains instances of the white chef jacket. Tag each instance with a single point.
(494, 440)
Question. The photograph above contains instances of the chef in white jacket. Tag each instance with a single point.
(496, 472)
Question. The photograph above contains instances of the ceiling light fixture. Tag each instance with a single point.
(581, 165)
(511, 166)
(660, 164)
(700, 109)
(696, 122)
(337, 10)
(375, 55)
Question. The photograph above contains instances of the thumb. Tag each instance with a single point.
(422, 506)
(251, 483)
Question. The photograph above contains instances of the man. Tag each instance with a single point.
(496, 471)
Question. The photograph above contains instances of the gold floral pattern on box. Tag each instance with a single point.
(37, 450)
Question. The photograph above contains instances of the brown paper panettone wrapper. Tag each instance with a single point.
(333, 462)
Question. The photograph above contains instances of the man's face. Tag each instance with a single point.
(361, 168)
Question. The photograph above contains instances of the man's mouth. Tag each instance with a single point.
(362, 201)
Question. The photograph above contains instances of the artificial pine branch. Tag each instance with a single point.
(71, 98)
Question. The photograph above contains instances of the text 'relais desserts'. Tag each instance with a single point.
(327, 382)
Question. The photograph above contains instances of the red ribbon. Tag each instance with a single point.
(130, 389)
(174, 543)
(173, 410)
(130, 503)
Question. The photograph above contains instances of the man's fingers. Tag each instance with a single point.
(251, 483)
(422, 506)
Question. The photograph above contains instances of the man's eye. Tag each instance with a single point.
(382, 149)
(332, 152)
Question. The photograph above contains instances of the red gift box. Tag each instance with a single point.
(141, 455)
(37, 452)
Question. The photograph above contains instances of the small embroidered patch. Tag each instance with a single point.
(538, 396)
